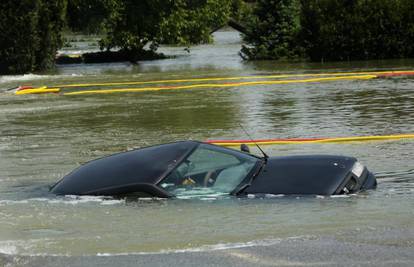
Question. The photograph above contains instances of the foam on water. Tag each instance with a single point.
(32, 77)
(107, 200)
(206, 248)
(18, 247)
(7, 248)
(67, 200)
(20, 110)
(340, 196)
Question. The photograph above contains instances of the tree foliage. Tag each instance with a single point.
(356, 29)
(87, 16)
(31, 30)
(331, 29)
(134, 24)
(271, 30)
(191, 22)
(30, 34)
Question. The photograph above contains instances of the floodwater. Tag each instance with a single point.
(43, 137)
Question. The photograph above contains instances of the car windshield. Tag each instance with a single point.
(209, 170)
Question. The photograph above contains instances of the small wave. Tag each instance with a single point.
(69, 200)
(219, 246)
(11, 202)
(341, 196)
(215, 196)
(20, 247)
(73, 200)
(31, 77)
(17, 247)
(395, 175)
(199, 193)
(36, 109)
(8, 249)
(251, 196)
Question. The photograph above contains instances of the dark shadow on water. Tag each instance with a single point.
(24, 190)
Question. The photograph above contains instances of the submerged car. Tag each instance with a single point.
(192, 167)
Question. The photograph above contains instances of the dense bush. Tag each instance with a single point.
(30, 34)
(87, 16)
(133, 25)
(49, 29)
(271, 30)
(191, 22)
(331, 29)
(357, 29)
(30, 30)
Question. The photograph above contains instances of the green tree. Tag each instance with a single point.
(357, 29)
(137, 25)
(191, 22)
(324, 30)
(18, 35)
(132, 24)
(49, 30)
(30, 34)
(271, 30)
(87, 16)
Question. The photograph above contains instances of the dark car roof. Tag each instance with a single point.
(144, 166)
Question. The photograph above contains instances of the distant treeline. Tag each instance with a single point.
(316, 30)
(31, 30)
(327, 30)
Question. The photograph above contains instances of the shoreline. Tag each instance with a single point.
(108, 57)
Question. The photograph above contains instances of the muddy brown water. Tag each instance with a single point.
(43, 137)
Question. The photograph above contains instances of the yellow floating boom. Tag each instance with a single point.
(285, 141)
(315, 77)
(211, 79)
(218, 85)
(38, 90)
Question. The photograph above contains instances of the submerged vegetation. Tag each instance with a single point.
(316, 30)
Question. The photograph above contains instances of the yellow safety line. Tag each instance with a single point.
(324, 140)
(222, 85)
(230, 78)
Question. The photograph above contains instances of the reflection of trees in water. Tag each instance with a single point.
(188, 112)
(280, 111)
(179, 112)
(381, 107)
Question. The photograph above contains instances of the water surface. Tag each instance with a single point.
(43, 137)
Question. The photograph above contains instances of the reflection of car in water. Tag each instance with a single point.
(191, 167)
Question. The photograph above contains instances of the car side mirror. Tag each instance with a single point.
(244, 148)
